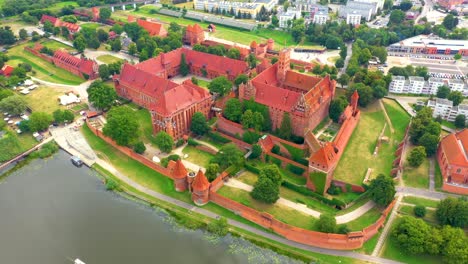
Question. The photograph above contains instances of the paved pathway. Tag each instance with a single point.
(80, 89)
(320, 132)
(431, 174)
(387, 227)
(341, 219)
(410, 191)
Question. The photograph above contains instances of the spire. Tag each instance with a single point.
(179, 170)
(201, 182)
(354, 100)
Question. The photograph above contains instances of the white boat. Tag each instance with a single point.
(78, 261)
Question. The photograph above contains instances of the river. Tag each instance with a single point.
(52, 212)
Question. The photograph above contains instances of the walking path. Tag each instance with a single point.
(274, 237)
(387, 227)
(431, 174)
(341, 219)
(410, 191)
(320, 132)
(392, 130)
(80, 89)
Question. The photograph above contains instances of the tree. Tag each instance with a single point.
(14, 105)
(212, 171)
(285, 130)
(184, 67)
(102, 35)
(450, 21)
(6, 35)
(265, 190)
(23, 34)
(405, 5)
(68, 116)
(339, 64)
(39, 121)
(48, 27)
(256, 151)
(164, 141)
(336, 108)
(139, 147)
(58, 116)
(275, 21)
(417, 156)
(419, 211)
(252, 61)
(397, 16)
(443, 91)
(122, 126)
(233, 110)
(4, 93)
(412, 234)
(132, 49)
(241, 78)
(452, 211)
(343, 79)
(101, 95)
(326, 223)
(218, 227)
(366, 94)
(199, 126)
(228, 155)
(174, 27)
(116, 45)
(456, 97)
(258, 120)
(460, 121)
(247, 119)
(429, 142)
(454, 248)
(104, 13)
(457, 56)
(220, 85)
(233, 53)
(104, 72)
(79, 43)
(382, 190)
(271, 172)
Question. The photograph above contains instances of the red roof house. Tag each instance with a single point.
(453, 162)
(59, 23)
(153, 28)
(194, 35)
(82, 67)
(6, 70)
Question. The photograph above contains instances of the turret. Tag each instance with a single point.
(190, 178)
(284, 64)
(270, 44)
(200, 189)
(179, 174)
(354, 101)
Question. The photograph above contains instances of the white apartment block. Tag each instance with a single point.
(417, 85)
(353, 19)
(320, 18)
(445, 109)
(291, 14)
(379, 3)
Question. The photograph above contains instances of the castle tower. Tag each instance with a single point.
(246, 91)
(200, 189)
(253, 46)
(270, 44)
(354, 101)
(179, 173)
(190, 177)
(284, 64)
(169, 126)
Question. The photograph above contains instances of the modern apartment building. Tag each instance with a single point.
(417, 85)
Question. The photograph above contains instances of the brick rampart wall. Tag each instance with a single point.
(129, 152)
(206, 149)
(40, 55)
(286, 161)
(455, 189)
(229, 127)
(354, 188)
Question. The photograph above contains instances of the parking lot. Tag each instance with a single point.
(438, 65)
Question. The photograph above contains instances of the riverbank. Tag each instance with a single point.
(193, 220)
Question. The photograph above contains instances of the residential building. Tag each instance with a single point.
(320, 17)
(353, 8)
(83, 67)
(457, 85)
(453, 162)
(6, 70)
(443, 108)
(433, 85)
(416, 84)
(353, 18)
(251, 8)
(379, 3)
(397, 85)
(56, 22)
(289, 15)
(430, 44)
(450, 4)
(304, 97)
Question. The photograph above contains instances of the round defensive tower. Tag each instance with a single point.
(200, 189)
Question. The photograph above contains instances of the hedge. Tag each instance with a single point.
(250, 137)
(192, 142)
(303, 190)
(233, 170)
(217, 137)
(252, 168)
(294, 169)
(275, 161)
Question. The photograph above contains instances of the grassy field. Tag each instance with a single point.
(416, 177)
(203, 83)
(392, 250)
(197, 156)
(44, 70)
(14, 25)
(430, 216)
(44, 99)
(55, 45)
(448, 124)
(91, 25)
(287, 175)
(12, 144)
(144, 119)
(108, 59)
(365, 220)
(60, 5)
(398, 116)
(282, 213)
(420, 201)
(358, 155)
(370, 244)
(437, 176)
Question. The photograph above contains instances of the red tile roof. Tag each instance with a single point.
(324, 158)
(153, 28)
(200, 183)
(83, 65)
(194, 29)
(59, 23)
(455, 146)
(179, 171)
(301, 81)
(7, 70)
(51, 19)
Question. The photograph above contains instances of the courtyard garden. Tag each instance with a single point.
(359, 156)
(108, 59)
(416, 176)
(197, 156)
(44, 70)
(55, 45)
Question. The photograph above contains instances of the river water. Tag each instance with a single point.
(52, 212)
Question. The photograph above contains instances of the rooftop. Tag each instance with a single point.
(433, 41)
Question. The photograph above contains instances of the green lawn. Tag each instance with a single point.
(392, 250)
(357, 203)
(370, 244)
(44, 70)
(146, 126)
(12, 144)
(108, 59)
(430, 216)
(55, 45)
(203, 83)
(448, 124)
(420, 201)
(44, 99)
(58, 6)
(398, 116)
(91, 25)
(347, 197)
(287, 175)
(365, 220)
(416, 177)
(197, 156)
(358, 154)
(282, 213)
(437, 176)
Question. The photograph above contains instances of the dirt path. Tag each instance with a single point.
(386, 116)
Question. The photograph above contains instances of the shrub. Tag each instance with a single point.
(419, 211)
(218, 227)
(165, 161)
(295, 169)
(215, 136)
(256, 151)
(250, 137)
(192, 142)
(179, 142)
(305, 191)
(276, 161)
(326, 223)
(343, 229)
(46, 150)
(276, 149)
(334, 190)
(139, 147)
(251, 168)
(111, 185)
